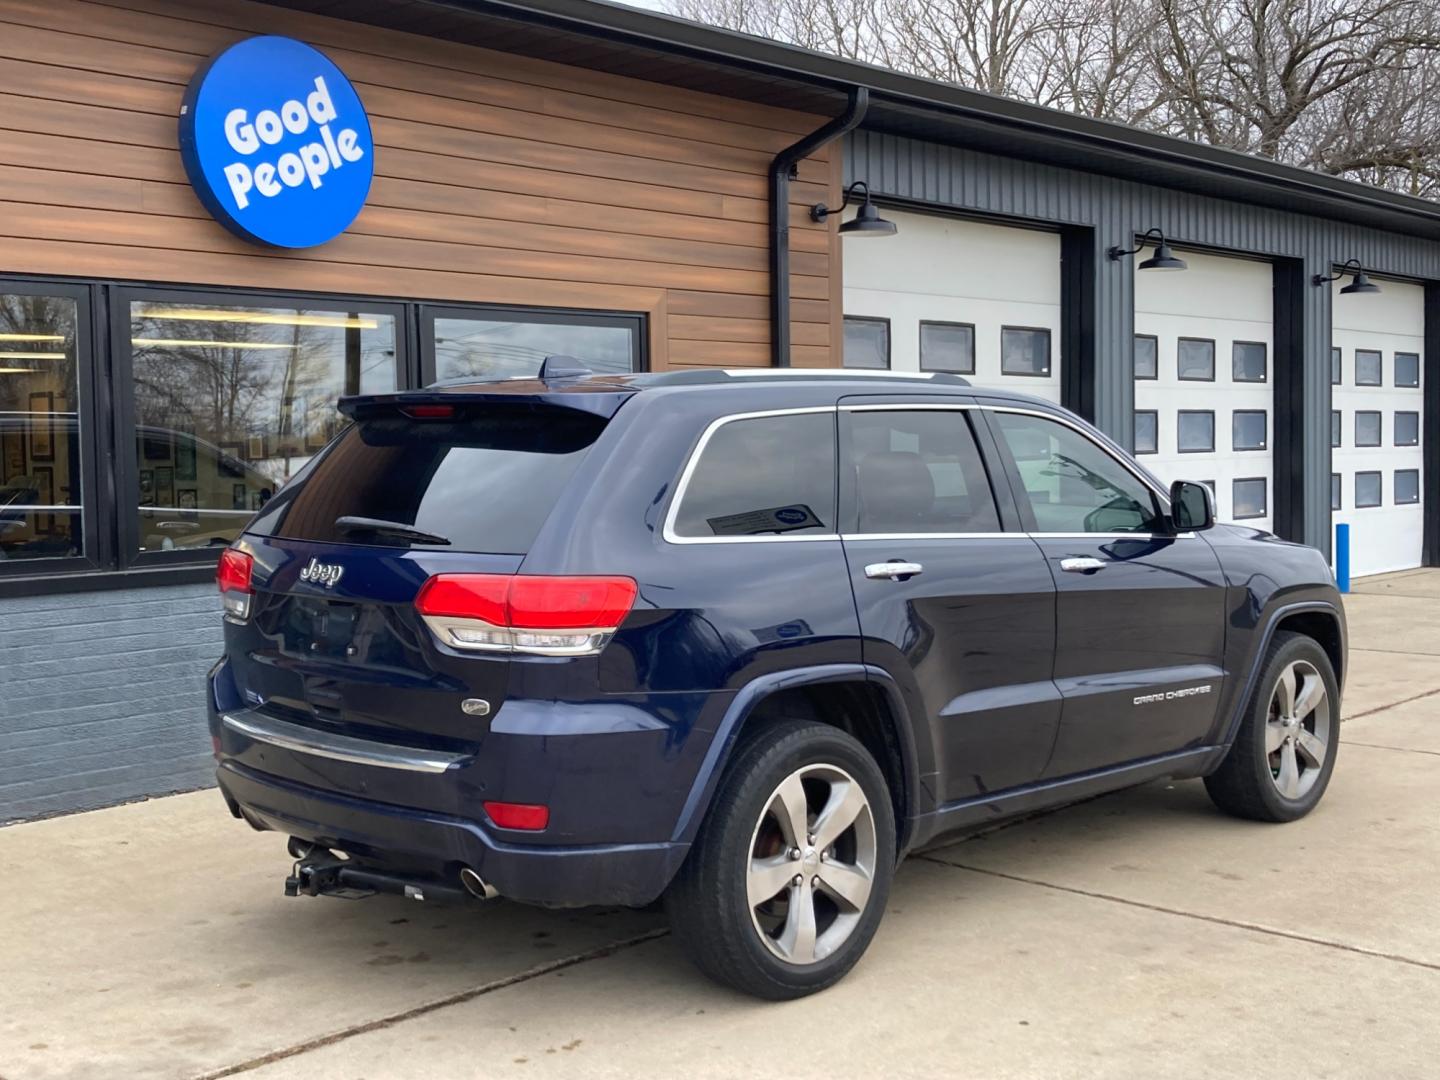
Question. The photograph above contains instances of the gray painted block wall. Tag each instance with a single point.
(102, 697)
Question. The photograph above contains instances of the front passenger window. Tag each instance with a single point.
(1071, 484)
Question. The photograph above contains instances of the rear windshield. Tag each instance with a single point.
(484, 482)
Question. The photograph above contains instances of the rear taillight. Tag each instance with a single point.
(545, 616)
(233, 577)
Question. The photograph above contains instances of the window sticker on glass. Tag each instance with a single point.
(776, 519)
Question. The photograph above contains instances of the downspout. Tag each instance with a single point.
(782, 171)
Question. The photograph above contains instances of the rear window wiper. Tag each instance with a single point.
(351, 524)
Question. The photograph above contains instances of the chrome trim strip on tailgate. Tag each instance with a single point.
(306, 740)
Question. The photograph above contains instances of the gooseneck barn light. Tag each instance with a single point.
(1361, 283)
(867, 220)
(1163, 259)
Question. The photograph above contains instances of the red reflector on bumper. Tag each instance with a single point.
(510, 815)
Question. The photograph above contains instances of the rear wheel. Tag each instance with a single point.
(1284, 752)
(789, 876)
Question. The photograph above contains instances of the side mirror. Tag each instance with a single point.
(1192, 506)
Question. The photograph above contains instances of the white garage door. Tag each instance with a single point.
(945, 294)
(1375, 428)
(1204, 377)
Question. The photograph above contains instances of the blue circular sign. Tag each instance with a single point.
(276, 143)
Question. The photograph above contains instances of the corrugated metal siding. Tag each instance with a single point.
(973, 182)
(102, 697)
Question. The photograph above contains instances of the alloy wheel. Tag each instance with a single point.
(1298, 729)
(811, 864)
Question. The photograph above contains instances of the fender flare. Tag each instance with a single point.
(1272, 622)
(749, 697)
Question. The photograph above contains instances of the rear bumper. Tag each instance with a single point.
(626, 874)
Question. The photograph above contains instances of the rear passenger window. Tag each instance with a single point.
(914, 471)
(762, 476)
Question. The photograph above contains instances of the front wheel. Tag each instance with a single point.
(789, 876)
(1284, 752)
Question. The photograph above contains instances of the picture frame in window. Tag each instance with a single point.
(157, 445)
(255, 447)
(1202, 349)
(42, 425)
(1243, 353)
(1369, 367)
(44, 478)
(184, 456)
(12, 455)
(933, 334)
(1181, 430)
(1146, 357)
(231, 461)
(239, 497)
(164, 485)
(147, 487)
(186, 499)
(1009, 335)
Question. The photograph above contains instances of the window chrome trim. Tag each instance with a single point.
(668, 532)
(307, 740)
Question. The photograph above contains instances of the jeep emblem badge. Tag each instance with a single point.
(324, 574)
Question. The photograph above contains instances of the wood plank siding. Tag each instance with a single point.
(499, 179)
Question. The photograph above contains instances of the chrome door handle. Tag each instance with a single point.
(1082, 565)
(893, 570)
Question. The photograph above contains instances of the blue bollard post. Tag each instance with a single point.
(1342, 557)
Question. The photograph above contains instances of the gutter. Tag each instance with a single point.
(782, 171)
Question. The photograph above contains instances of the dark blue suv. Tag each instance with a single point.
(742, 640)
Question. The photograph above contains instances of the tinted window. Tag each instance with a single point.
(765, 476)
(1248, 429)
(40, 475)
(1407, 429)
(947, 347)
(1196, 359)
(1071, 484)
(486, 481)
(1147, 357)
(1195, 432)
(1407, 369)
(867, 343)
(1335, 367)
(1407, 486)
(1147, 432)
(1248, 361)
(1367, 429)
(1368, 368)
(1367, 489)
(1336, 429)
(232, 401)
(1248, 498)
(916, 472)
(1336, 500)
(1024, 351)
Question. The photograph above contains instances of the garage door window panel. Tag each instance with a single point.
(1249, 430)
(1337, 428)
(1147, 431)
(910, 472)
(1369, 368)
(1336, 368)
(1336, 493)
(1407, 369)
(1407, 429)
(1195, 431)
(1249, 362)
(1147, 356)
(1367, 490)
(1407, 486)
(867, 343)
(1248, 497)
(1195, 360)
(947, 346)
(1071, 485)
(1368, 427)
(1025, 350)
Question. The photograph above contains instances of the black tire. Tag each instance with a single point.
(1245, 784)
(707, 903)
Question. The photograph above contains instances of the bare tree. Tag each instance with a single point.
(1343, 87)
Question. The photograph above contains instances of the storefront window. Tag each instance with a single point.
(40, 513)
(501, 348)
(232, 401)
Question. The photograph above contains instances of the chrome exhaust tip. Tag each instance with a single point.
(476, 886)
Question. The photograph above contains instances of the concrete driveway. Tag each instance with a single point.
(1142, 934)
